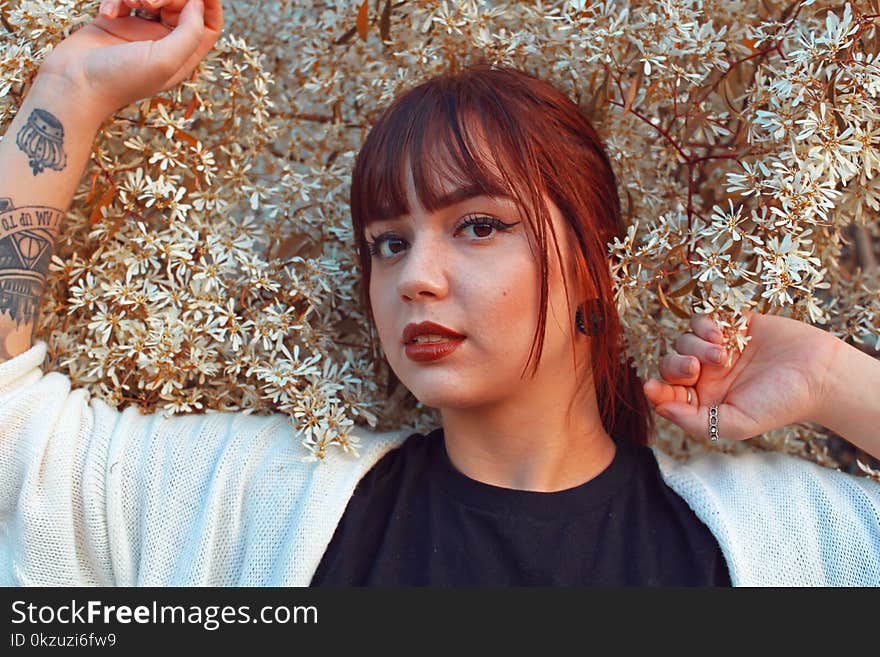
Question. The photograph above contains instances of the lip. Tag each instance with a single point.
(429, 351)
(411, 330)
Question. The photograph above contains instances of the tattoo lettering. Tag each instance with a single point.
(42, 140)
(26, 238)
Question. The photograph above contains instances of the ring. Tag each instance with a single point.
(689, 395)
(147, 15)
(713, 422)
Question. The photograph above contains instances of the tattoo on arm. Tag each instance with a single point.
(42, 140)
(27, 235)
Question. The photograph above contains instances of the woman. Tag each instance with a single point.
(537, 476)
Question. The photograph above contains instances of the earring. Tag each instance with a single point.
(579, 320)
(594, 317)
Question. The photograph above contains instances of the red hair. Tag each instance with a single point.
(542, 144)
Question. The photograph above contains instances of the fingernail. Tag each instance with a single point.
(691, 367)
(718, 355)
(716, 336)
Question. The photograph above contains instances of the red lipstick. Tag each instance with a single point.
(428, 351)
(432, 350)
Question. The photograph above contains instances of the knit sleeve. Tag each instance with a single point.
(53, 447)
(784, 521)
(93, 496)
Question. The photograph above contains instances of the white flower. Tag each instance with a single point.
(714, 262)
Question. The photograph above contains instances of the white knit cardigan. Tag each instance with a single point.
(92, 496)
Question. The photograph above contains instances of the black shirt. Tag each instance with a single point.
(415, 520)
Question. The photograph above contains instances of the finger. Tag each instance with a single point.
(184, 39)
(682, 370)
(214, 15)
(170, 17)
(133, 4)
(732, 424)
(690, 344)
(110, 8)
(706, 327)
(659, 392)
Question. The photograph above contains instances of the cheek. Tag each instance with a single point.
(382, 314)
(506, 303)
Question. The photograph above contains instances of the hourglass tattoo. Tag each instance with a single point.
(26, 238)
(42, 140)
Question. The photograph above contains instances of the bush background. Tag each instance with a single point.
(207, 260)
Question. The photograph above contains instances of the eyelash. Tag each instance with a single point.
(478, 220)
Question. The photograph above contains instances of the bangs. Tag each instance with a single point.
(439, 134)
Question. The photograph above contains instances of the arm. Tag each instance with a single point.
(62, 516)
(790, 372)
(851, 405)
(97, 70)
(42, 157)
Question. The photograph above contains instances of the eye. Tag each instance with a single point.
(388, 245)
(483, 225)
(375, 245)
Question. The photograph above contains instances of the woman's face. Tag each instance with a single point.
(482, 281)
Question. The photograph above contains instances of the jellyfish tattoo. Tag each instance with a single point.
(42, 140)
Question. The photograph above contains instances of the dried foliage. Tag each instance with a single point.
(208, 263)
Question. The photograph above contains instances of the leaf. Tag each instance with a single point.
(591, 103)
(158, 100)
(189, 139)
(91, 193)
(363, 21)
(345, 38)
(725, 86)
(191, 108)
(684, 289)
(385, 22)
(631, 92)
(678, 311)
(661, 296)
(651, 87)
(693, 123)
(735, 249)
(95, 215)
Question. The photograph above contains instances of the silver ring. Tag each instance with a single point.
(713, 422)
(689, 395)
(147, 15)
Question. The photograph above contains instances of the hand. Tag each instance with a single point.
(118, 59)
(778, 379)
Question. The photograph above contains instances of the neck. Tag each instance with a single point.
(530, 444)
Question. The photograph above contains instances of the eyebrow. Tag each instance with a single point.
(463, 194)
(460, 195)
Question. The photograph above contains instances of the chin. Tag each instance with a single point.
(450, 396)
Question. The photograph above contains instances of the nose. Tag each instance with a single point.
(423, 272)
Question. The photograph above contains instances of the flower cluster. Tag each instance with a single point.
(208, 261)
